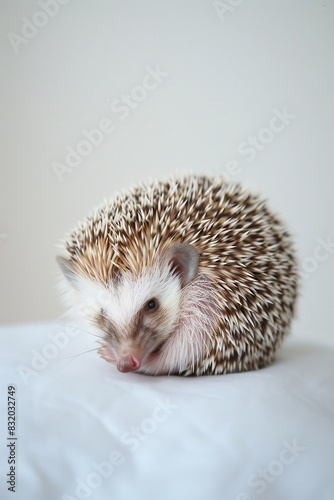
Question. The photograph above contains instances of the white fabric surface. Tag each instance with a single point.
(87, 431)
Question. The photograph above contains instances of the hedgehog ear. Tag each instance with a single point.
(183, 260)
(67, 270)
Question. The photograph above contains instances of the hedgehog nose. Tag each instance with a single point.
(128, 363)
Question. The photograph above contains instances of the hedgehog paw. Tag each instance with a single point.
(107, 353)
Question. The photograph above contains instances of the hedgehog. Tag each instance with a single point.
(191, 275)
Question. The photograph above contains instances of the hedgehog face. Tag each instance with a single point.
(138, 315)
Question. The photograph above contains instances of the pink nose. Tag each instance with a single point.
(128, 363)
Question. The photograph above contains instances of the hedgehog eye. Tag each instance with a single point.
(151, 304)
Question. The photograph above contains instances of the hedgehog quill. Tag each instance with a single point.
(188, 276)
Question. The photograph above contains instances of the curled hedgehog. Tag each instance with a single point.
(187, 276)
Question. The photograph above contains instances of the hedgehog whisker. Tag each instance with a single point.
(90, 333)
(72, 358)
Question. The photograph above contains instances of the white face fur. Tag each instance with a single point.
(141, 319)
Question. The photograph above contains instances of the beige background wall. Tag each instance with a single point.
(236, 86)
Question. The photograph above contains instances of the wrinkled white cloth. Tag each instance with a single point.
(86, 431)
